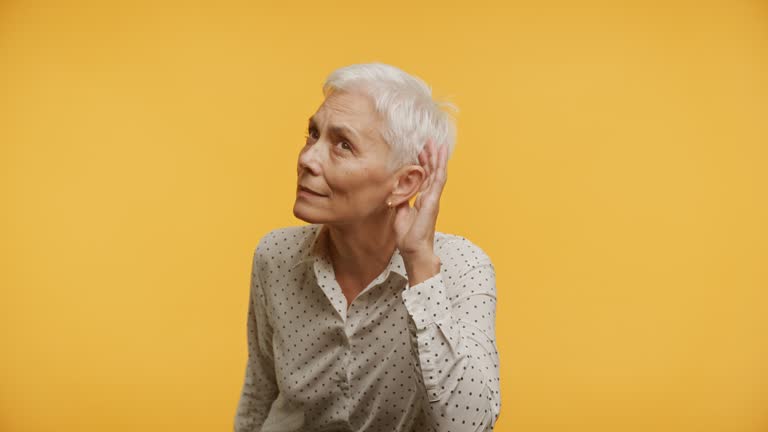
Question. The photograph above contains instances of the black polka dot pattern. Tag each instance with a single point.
(398, 358)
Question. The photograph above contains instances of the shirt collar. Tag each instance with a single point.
(317, 249)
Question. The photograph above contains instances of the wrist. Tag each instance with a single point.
(421, 267)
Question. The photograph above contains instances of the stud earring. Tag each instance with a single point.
(389, 203)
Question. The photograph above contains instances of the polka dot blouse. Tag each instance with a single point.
(397, 358)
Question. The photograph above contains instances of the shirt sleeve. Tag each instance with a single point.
(259, 388)
(453, 341)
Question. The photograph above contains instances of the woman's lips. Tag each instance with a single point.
(304, 190)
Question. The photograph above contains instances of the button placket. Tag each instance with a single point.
(349, 326)
(342, 374)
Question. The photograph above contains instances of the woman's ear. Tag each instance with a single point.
(408, 182)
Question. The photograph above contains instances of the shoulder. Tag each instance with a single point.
(465, 266)
(284, 245)
(459, 254)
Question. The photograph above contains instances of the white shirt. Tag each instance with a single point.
(398, 358)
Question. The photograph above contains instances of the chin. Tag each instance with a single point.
(306, 214)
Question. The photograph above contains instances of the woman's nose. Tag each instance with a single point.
(308, 159)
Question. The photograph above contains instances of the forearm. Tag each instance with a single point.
(252, 409)
(259, 388)
(455, 355)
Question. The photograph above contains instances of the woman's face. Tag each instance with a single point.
(344, 159)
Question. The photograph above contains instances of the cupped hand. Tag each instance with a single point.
(415, 226)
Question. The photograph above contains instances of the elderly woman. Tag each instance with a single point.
(367, 319)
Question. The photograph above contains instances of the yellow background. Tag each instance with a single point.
(611, 159)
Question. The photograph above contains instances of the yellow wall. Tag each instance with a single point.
(611, 159)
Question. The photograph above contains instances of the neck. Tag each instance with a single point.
(363, 249)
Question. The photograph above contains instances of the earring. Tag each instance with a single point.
(389, 203)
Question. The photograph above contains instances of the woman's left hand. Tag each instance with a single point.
(415, 226)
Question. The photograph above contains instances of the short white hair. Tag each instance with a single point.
(410, 114)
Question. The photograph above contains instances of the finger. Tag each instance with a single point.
(425, 159)
(441, 175)
(433, 154)
(427, 155)
(438, 179)
(442, 169)
(430, 180)
(427, 182)
(434, 163)
(423, 162)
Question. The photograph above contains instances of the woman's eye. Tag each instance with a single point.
(348, 147)
(313, 134)
(310, 135)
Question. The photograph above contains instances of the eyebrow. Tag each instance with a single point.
(337, 129)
